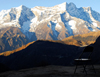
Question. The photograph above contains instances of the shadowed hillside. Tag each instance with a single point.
(41, 53)
(97, 50)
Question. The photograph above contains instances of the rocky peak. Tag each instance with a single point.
(87, 9)
(72, 5)
(22, 7)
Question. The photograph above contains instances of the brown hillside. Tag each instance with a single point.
(77, 40)
(81, 40)
(7, 53)
(11, 38)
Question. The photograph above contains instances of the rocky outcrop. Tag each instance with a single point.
(11, 38)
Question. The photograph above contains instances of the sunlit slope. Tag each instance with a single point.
(11, 38)
(81, 40)
(77, 40)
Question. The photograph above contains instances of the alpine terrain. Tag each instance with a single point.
(50, 23)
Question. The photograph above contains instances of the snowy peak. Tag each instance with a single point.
(3, 13)
(15, 16)
(71, 5)
(62, 6)
(87, 9)
(94, 16)
(65, 6)
(57, 22)
(22, 7)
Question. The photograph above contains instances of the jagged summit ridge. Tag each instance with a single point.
(15, 16)
(57, 22)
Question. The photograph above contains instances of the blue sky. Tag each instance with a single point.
(7, 4)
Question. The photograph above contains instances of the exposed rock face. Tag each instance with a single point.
(50, 23)
(54, 23)
(11, 38)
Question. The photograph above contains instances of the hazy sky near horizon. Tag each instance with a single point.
(8, 4)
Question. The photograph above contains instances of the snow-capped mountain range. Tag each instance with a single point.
(54, 23)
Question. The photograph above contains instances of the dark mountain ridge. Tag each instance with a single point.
(41, 53)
